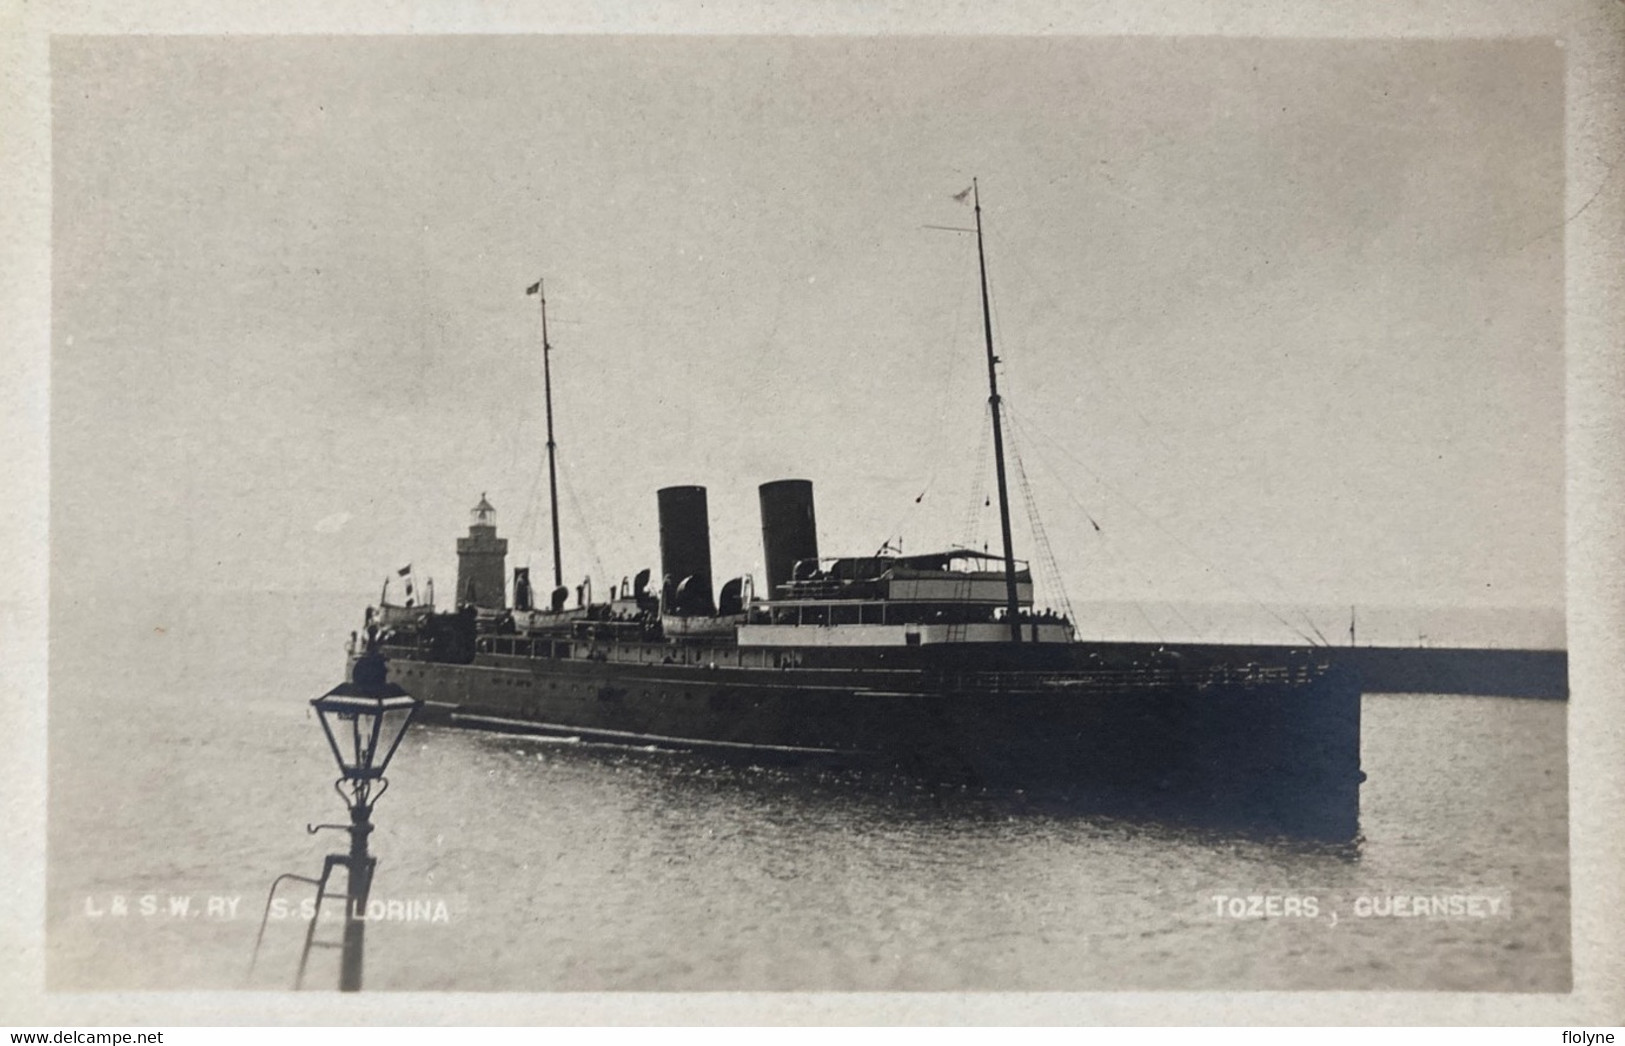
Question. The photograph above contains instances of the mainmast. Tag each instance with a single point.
(1011, 603)
(552, 465)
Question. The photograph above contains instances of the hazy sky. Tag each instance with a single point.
(1283, 318)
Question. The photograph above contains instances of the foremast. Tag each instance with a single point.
(552, 452)
(1011, 605)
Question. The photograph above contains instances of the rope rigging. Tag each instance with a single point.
(531, 519)
(1235, 584)
(1037, 286)
(947, 409)
(948, 397)
(584, 523)
(1139, 608)
(1045, 555)
(976, 501)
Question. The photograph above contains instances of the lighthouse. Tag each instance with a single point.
(481, 559)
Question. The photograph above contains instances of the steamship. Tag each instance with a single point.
(937, 666)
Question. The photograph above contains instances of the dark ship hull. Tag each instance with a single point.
(1274, 749)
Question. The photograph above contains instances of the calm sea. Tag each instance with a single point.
(184, 767)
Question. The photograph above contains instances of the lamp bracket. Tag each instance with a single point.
(361, 793)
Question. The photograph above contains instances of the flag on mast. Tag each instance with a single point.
(535, 288)
(962, 197)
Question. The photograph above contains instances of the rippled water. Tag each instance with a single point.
(528, 866)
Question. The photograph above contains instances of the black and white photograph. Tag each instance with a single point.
(822, 515)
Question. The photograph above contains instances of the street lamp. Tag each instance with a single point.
(364, 719)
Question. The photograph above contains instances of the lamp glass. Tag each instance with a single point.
(364, 731)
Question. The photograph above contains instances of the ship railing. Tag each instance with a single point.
(1138, 678)
(526, 647)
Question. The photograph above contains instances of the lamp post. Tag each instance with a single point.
(365, 719)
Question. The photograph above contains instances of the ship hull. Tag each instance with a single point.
(1272, 752)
